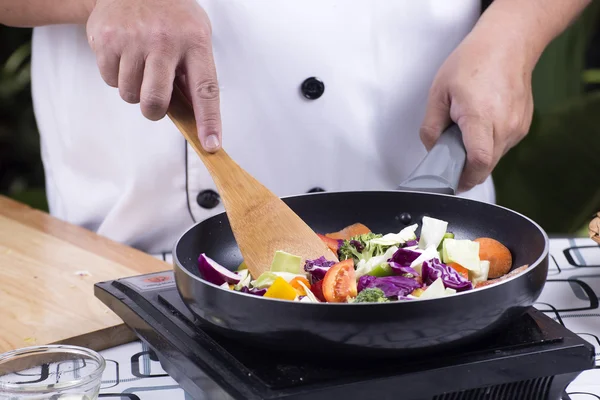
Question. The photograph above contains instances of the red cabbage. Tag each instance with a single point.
(404, 257)
(411, 243)
(255, 291)
(392, 286)
(434, 269)
(403, 269)
(317, 268)
(214, 273)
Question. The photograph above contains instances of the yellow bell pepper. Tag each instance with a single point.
(280, 289)
(242, 266)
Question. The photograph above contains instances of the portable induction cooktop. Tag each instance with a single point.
(535, 359)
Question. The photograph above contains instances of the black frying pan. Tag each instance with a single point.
(380, 329)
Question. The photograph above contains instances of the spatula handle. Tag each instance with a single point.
(181, 113)
(440, 170)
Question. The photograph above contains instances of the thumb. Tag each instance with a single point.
(203, 89)
(437, 117)
(478, 137)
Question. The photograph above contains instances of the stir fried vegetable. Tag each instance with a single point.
(375, 267)
(371, 295)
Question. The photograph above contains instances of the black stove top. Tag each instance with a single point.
(535, 359)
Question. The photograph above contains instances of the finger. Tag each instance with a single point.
(203, 89)
(478, 137)
(131, 73)
(157, 85)
(182, 84)
(108, 64)
(104, 43)
(437, 118)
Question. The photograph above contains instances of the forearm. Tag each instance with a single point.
(528, 25)
(31, 13)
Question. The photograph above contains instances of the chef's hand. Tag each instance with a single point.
(144, 46)
(484, 86)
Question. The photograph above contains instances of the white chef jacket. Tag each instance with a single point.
(138, 182)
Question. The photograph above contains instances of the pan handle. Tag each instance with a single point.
(440, 170)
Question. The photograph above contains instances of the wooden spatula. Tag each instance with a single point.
(261, 222)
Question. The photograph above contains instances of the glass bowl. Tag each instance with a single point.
(51, 372)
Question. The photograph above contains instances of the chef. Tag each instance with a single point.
(306, 95)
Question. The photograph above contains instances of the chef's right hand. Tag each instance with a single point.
(141, 47)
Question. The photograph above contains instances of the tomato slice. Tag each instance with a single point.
(349, 231)
(333, 244)
(460, 269)
(317, 289)
(339, 283)
(299, 288)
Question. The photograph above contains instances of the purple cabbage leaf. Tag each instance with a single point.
(404, 257)
(403, 270)
(317, 268)
(411, 243)
(254, 291)
(434, 269)
(392, 286)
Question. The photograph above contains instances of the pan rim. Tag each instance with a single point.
(530, 269)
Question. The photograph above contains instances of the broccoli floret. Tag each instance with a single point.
(371, 295)
(365, 237)
(348, 250)
(358, 247)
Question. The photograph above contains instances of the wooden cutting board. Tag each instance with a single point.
(48, 269)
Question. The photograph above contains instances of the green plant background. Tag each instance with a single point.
(552, 176)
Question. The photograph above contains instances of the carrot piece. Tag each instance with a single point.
(497, 254)
(299, 288)
(349, 231)
(460, 269)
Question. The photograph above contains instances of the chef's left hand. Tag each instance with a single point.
(484, 86)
